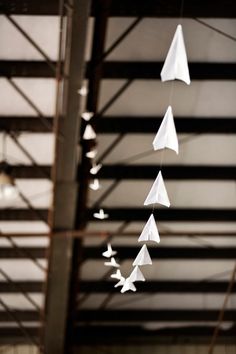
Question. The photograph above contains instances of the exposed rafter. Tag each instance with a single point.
(125, 8)
(121, 70)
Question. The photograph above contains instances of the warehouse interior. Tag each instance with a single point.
(61, 59)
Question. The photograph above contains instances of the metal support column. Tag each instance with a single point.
(64, 177)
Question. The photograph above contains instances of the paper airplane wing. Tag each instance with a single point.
(89, 133)
(166, 136)
(150, 231)
(143, 257)
(121, 282)
(128, 285)
(176, 63)
(136, 275)
(158, 193)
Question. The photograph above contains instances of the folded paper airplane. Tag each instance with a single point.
(94, 170)
(121, 282)
(176, 63)
(166, 136)
(158, 193)
(89, 133)
(143, 257)
(83, 91)
(91, 154)
(117, 275)
(128, 285)
(109, 253)
(87, 115)
(112, 263)
(101, 215)
(136, 275)
(150, 232)
(95, 185)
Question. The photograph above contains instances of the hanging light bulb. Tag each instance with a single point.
(8, 190)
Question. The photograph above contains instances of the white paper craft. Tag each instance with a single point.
(158, 193)
(166, 136)
(136, 275)
(128, 285)
(94, 170)
(95, 185)
(83, 91)
(143, 257)
(101, 215)
(120, 282)
(150, 232)
(117, 275)
(112, 263)
(87, 115)
(109, 253)
(91, 154)
(176, 63)
(89, 133)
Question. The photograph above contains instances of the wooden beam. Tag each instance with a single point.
(149, 125)
(172, 214)
(134, 214)
(127, 8)
(140, 172)
(124, 124)
(121, 70)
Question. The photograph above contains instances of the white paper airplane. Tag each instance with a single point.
(117, 275)
(87, 115)
(176, 63)
(150, 232)
(95, 185)
(83, 91)
(91, 154)
(143, 257)
(136, 275)
(101, 215)
(158, 193)
(128, 285)
(89, 133)
(94, 170)
(112, 263)
(120, 282)
(166, 136)
(109, 253)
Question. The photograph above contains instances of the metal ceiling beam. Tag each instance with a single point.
(140, 172)
(129, 335)
(121, 70)
(127, 252)
(127, 8)
(176, 172)
(139, 315)
(27, 286)
(146, 125)
(22, 215)
(172, 214)
(158, 287)
(25, 124)
(139, 335)
(151, 315)
(124, 124)
(153, 286)
(151, 70)
(133, 214)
